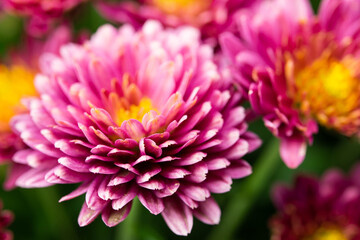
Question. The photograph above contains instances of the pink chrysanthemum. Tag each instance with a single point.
(318, 209)
(131, 114)
(303, 71)
(41, 12)
(6, 218)
(210, 16)
(17, 81)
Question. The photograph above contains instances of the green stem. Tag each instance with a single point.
(243, 198)
(128, 230)
(55, 217)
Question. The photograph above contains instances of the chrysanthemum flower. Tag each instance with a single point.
(6, 218)
(211, 16)
(131, 114)
(17, 81)
(302, 72)
(40, 12)
(324, 209)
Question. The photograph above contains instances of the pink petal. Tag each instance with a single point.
(87, 215)
(153, 184)
(134, 129)
(238, 150)
(103, 168)
(292, 151)
(195, 192)
(101, 149)
(178, 217)
(217, 163)
(174, 173)
(190, 159)
(126, 143)
(34, 178)
(93, 201)
(198, 172)
(113, 217)
(208, 212)
(188, 201)
(151, 202)
(75, 164)
(151, 171)
(151, 148)
(127, 196)
(229, 137)
(218, 184)
(69, 175)
(230, 44)
(123, 176)
(238, 169)
(171, 187)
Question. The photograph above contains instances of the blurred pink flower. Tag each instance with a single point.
(40, 12)
(299, 69)
(210, 16)
(6, 218)
(17, 81)
(131, 114)
(325, 208)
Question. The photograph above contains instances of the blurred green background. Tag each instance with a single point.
(246, 208)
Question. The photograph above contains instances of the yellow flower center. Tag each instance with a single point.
(329, 90)
(327, 234)
(182, 8)
(131, 104)
(15, 82)
(134, 111)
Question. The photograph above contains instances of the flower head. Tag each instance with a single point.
(131, 114)
(40, 12)
(302, 74)
(6, 218)
(318, 209)
(211, 16)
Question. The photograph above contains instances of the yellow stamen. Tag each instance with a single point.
(327, 234)
(181, 7)
(134, 111)
(15, 82)
(329, 90)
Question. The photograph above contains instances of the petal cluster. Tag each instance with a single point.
(6, 218)
(211, 16)
(135, 114)
(323, 208)
(302, 73)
